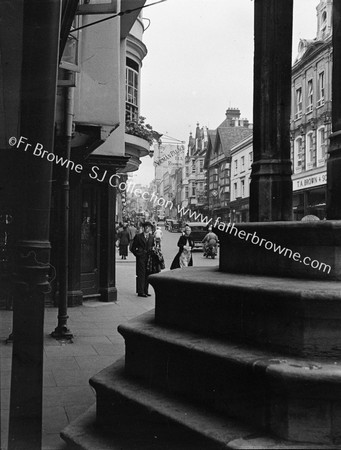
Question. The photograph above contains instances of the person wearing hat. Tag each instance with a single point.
(141, 246)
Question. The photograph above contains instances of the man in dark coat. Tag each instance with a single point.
(141, 246)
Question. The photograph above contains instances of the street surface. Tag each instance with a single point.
(96, 344)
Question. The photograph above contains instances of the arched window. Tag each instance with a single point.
(298, 155)
(309, 151)
(321, 149)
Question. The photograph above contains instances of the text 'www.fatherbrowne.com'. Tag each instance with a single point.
(255, 239)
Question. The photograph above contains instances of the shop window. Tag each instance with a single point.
(298, 206)
(316, 202)
(321, 147)
(298, 155)
(309, 151)
(310, 96)
(298, 103)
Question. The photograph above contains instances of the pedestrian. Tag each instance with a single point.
(184, 256)
(132, 231)
(158, 236)
(210, 240)
(141, 248)
(124, 239)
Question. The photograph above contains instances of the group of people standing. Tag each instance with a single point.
(144, 242)
(125, 235)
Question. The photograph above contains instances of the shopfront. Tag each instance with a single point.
(309, 196)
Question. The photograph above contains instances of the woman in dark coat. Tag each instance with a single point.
(184, 256)
(124, 239)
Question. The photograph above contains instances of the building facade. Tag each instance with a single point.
(218, 161)
(311, 117)
(169, 158)
(241, 161)
(194, 173)
(98, 87)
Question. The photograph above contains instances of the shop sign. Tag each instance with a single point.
(312, 181)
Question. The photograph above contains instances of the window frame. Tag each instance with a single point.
(321, 89)
(321, 145)
(298, 143)
(310, 95)
(298, 103)
(309, 150)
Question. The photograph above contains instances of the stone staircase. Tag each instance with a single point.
(225, 361)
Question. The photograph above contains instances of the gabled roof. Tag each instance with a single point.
(211, 139)
(227, 137)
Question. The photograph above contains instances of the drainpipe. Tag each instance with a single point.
(62, 331)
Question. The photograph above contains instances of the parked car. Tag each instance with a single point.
(175, 226)
(199, 231)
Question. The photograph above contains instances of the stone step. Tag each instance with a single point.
(131, 416)
(292, 397)
(289, 315)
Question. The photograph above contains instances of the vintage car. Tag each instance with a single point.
(199, 231)
(175, 226)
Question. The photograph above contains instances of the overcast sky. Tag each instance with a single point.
(200, 62)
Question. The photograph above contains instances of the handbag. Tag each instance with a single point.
(117, 243)
(159, 256)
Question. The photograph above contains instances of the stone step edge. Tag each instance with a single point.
(83, 435)
(225, 431)
(273, 364)
(310, 289)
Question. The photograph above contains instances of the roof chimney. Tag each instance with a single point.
(232, 114)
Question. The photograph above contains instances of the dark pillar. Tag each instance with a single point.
(108, 189)
(32, 190)
(107, 282)
(334, 161)
(271, 187)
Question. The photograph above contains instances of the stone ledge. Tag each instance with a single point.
(320, 241)
(284, 314)
(292, 397)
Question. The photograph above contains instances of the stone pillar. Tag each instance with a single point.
(334, 161)
(107, 279)
(271, 186)
(31, 193)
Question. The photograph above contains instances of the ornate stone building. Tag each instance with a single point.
(311, 117)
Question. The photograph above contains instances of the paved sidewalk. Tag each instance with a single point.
(68, 367)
